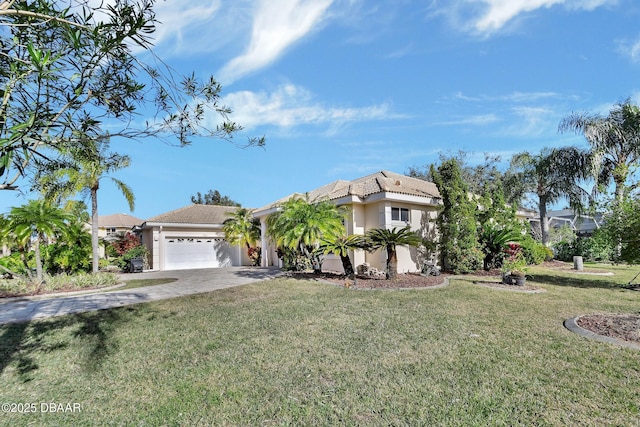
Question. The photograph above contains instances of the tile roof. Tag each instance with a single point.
(118, 220)
(379, 182)
(195, 214)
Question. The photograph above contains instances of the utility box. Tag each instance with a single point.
(135, 265)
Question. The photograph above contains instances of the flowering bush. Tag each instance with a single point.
(125, 243)
(255, 254)
(514, 263)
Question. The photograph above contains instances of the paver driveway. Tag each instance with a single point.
(189, 282)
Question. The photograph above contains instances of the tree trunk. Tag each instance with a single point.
(392, 263)
(94, 229)
(36, 250)
(346, 265)
(619, 181)
(544, 221)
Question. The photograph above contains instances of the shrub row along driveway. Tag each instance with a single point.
(188, 282)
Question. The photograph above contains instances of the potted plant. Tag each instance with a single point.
(514, 269)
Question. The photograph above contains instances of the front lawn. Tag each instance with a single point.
(297, 352)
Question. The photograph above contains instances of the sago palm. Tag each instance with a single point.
(341, 246)
(382, 238)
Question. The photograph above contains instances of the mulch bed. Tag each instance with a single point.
(492, 278)
(622, 326)
(402, 281)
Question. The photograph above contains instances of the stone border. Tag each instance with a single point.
(572, 325)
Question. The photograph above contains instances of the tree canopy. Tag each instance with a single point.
(213, 197)
(614, 141)
(551, 175)
(69, 73)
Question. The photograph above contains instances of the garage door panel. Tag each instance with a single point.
(186, 253)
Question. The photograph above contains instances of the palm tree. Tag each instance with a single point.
(378, 238)
(242, 229)
(552, 175)
(38, 219)
(341, 246)
(614, 141)
(81, 170)
(300, 225)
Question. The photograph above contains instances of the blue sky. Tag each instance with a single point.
(341, 89)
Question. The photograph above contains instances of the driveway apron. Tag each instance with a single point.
(189, 282)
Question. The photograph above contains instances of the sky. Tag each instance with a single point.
(346, 88)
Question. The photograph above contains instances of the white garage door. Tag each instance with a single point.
(188, 252)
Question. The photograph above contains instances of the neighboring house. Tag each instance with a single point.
(583, 225)
(381, 200)
(111, 226)
(191, 237)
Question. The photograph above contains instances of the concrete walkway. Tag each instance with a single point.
(189, 282)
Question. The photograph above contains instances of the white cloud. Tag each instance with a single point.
(478, 120)
(630, 49)
(291, 105)
(276, 26)
(533, 121)
(490, 16)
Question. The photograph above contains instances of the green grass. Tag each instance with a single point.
(293, 352)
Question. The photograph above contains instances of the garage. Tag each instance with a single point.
(190, 237)
(183, 253)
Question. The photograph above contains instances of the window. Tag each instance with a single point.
(400, 214)
(111, 230)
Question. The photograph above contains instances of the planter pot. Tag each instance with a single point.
(519, 280)
(507, 279)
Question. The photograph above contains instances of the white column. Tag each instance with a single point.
(263, 243)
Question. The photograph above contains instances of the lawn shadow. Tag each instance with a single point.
(20, 343)
(575, 281)
(259, 273)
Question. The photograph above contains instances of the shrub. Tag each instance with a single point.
(15, 264)
(534, 252)
(140, 251)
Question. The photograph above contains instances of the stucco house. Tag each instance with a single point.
(110, 226)
(191, 237)
(380, 200)
(116, 223)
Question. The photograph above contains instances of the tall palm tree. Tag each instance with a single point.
(80, 171)
(379, 238)
(241, 228)
(38, 219)
(552, 175)
(300, 224)
(614, 141)
(341, 246)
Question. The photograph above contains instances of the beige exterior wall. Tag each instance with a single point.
(376, 212)
(364, 217)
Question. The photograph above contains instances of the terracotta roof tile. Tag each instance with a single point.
(379, 182)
